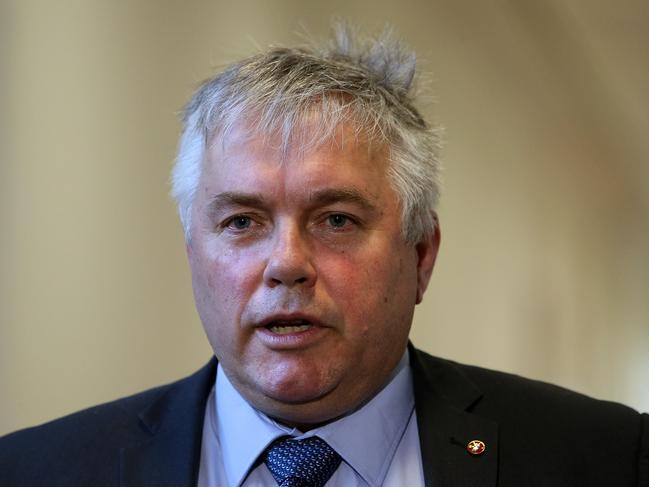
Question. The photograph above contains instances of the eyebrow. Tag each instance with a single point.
(329, 196)
(230, 199)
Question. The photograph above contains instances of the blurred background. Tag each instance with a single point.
(544, 265)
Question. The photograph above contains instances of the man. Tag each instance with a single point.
(306, 183)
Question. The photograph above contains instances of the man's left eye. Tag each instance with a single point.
(338, 221)
(239, 222)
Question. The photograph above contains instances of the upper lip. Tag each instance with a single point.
(289, 317)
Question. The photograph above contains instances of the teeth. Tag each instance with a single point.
(284, 329)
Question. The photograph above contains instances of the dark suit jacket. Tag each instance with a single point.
(536, 434)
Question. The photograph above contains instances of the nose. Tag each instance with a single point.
(289, 262)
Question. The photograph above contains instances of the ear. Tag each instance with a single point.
(426, 253)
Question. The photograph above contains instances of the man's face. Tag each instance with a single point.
(303, 281)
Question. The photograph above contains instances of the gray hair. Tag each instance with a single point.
(366, 81)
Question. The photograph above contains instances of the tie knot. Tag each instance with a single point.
(301, 463)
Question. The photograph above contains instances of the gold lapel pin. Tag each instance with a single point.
(476, 447)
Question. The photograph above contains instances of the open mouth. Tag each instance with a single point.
(284, 327)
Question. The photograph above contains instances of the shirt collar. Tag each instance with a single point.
(368, 438)
(244, 433)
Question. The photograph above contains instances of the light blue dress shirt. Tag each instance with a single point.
(379, 443)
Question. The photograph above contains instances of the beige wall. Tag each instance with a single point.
(544, 268)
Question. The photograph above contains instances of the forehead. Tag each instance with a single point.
(303, 151)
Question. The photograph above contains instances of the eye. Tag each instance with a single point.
(239, 222)
(338, 220)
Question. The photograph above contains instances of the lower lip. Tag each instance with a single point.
(290, 341)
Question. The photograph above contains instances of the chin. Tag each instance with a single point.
(300, 404)
(304, 416)
(297, 393)
(294, 382)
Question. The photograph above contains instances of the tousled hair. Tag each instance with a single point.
(280, 92)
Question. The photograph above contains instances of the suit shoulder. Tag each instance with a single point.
(503, 389)
(86, 421)
(545, 430)
(508, 391)
(84, 436)
(527, 408)
(86, 442)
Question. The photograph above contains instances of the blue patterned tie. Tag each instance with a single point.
(301, 463)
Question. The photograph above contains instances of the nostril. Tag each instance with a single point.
(289, 269)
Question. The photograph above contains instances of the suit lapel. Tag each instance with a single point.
(443, 396)
(173, 423)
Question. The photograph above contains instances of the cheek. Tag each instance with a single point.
(387, 301)
(223, 282)
(362, 297)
